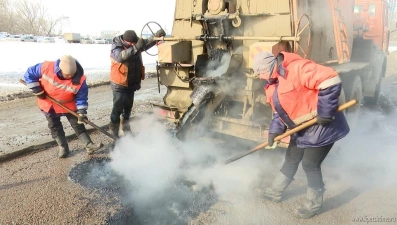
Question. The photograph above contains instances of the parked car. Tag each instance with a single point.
(108, 40)
(4, 35)
(86, 41)
(28, 39)
(39, 39)
(48, 40)
(99, 41)
(13, 38)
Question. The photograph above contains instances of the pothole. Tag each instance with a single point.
(178, 203)
(97, 174)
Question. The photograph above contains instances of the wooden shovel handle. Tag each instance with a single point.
(292, 131)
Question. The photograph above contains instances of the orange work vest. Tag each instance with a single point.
(119, 72)
(61, 90)
(298, 88)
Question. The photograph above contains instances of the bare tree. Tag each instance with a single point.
(29, 14)
(4, 15)
(24, 16)
(49, 27)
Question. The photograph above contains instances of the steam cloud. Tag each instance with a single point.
(167, 176)
(366, 158)
(216, 69)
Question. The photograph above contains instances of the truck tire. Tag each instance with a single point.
(353, 90)
(373, 100)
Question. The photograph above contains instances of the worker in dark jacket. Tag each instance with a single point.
(63, 80)
(127, 71)
(299, 90)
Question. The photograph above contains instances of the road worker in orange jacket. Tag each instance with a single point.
(63, 80)
(127, 72)
(299, 90)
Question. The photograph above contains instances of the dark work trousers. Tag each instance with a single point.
(311, 163)
(122, 105)
(56, 127)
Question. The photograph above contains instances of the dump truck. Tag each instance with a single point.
(206, 64)
(72, 37)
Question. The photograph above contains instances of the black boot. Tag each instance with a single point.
(125, 126)
(89, 145)
(312, 205)
(275, 192)
(63, 146)
(114, 129)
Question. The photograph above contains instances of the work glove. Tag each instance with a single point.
(140, 44)
(41, 95)
(324, 121)
(160, 33)
(81, 118)
(271, 144)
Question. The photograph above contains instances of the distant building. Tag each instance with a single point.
(109, 34)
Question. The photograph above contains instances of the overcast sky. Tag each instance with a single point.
(92, 16)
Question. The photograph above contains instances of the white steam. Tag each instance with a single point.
(216, 69)
(367, 157)
(153, 159)
(148, 161)
(237, 177)
(171, 179)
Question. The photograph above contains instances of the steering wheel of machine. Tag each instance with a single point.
(153, 33)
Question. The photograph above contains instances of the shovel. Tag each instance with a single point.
(290, 132)
(76, 115)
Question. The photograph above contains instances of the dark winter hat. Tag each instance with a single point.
(130, 36)
(262, 62)
(68, 64)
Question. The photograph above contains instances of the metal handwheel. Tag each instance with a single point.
(153, 33)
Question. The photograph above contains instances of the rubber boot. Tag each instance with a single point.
(312, 205)
(114, 129)
(63, 146)
(279, 184)
(90, 147)
(125, 126)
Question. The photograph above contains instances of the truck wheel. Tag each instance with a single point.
(353, 90)
(374, 100)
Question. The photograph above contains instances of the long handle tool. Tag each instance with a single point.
(288, 133)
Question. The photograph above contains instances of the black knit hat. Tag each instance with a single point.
(130, 36)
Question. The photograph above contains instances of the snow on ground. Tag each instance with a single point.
(16, 57)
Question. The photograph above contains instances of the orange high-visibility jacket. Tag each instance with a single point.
(119, 71)
(298, 86)
(62, 90)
